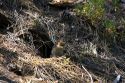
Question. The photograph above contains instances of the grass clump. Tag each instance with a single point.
(94, 10)
(109, 26)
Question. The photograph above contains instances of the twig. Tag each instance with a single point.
(88, 73)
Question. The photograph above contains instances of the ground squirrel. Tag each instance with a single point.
(58, 50)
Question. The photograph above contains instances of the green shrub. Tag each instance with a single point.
(97, 12)
(94, 10)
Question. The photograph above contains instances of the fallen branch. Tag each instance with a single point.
(88, 73)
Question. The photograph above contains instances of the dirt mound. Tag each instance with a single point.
(25, 63)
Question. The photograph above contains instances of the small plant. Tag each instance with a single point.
(109, 26)
(115, 4)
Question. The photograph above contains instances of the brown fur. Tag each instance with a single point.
(59, 49)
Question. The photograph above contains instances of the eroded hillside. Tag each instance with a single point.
(93, 50)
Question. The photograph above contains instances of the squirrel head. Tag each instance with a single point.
(60, 44)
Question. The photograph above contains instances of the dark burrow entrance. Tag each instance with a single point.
(41, 41)
(4, 23)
